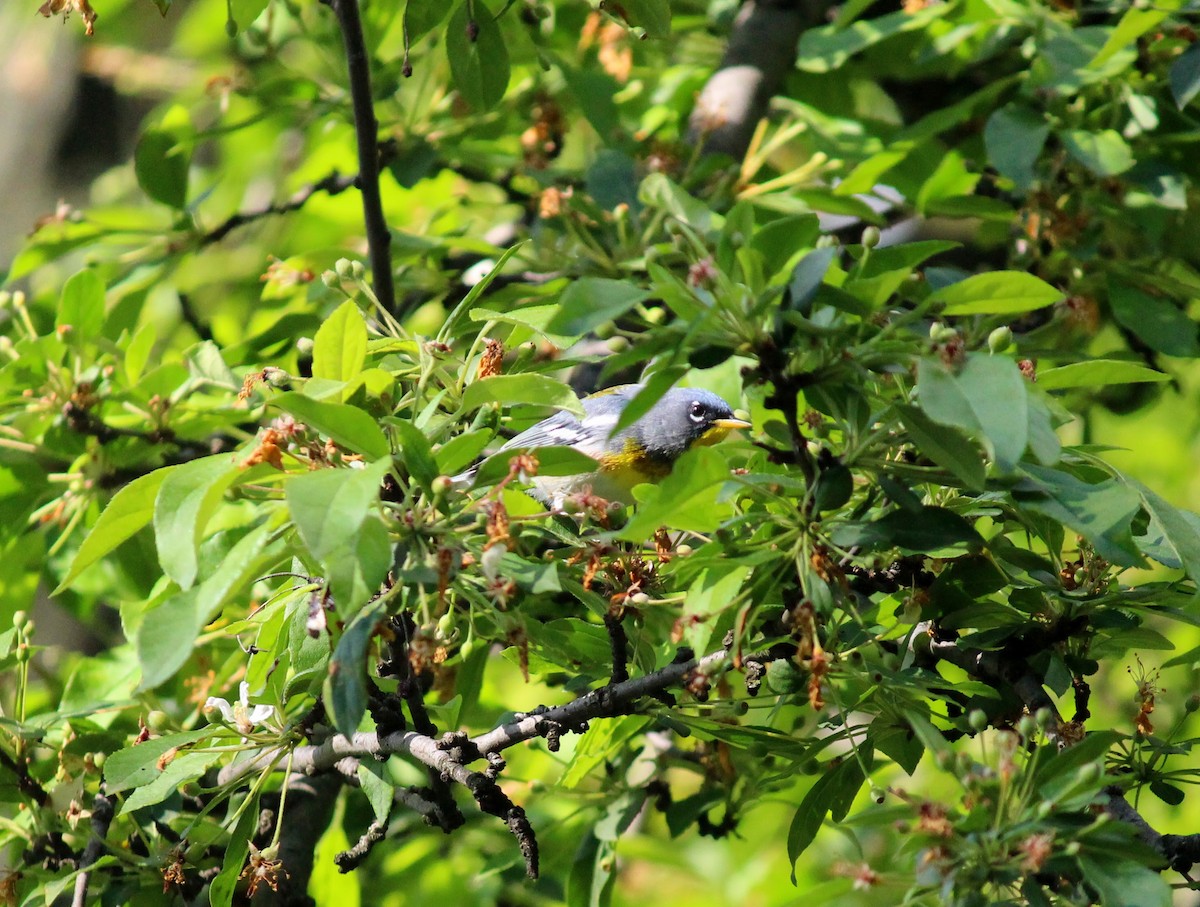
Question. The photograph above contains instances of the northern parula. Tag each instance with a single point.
(642, 452)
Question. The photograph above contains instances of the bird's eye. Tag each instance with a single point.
(696, 412)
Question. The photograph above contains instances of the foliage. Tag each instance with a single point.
(884, 607)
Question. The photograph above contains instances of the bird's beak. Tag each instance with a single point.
(730, 424)
(719, 428)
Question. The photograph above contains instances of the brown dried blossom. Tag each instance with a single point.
(262, 868)
(492, 360)
(66, 7)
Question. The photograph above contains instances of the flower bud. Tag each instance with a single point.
(870, 237)
(344, 268)
(441, 486)
(1027, 727)
(330, 279)
(1000, 339)
(977, 719)
(304, 346)
(941, 333)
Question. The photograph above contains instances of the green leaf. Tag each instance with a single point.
(167, 632)
(340, 347)
(357, 567)
(1182, 530)
(480, 66)
(244, 12)
(658, 191)
(379, 789)
(1100, 512)
(346, 685)
(996, 293)
(1155, 320)
(1168, 793)
(686, 499)
(130, 509)
(138, 765)
(81, 307)
(652, 391)
(946, 446)
(837, 786)
(182, 769)
(187, 498)
(416, 454)
(589, 302)
(1014, 137)
(346, 425)
(987, 398)
(930, 529)
(828, 47)
(1134, 23)
(220, 892)
(1185, 76)
(460, 451)
(807, 277)
(1098, 372)
(1124, 883)
(423, 16)
(524, 388)
(652, 15)
(329, 506)
(595, 748)
(1104, 153)
(162, 158)
(552, 461)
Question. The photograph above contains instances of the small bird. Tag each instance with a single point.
(642, 452)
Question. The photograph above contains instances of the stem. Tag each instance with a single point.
(366, 128)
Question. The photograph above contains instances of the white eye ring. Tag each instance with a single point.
(696, 413)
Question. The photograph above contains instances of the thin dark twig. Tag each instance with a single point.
(351, 859)
(102, 816)
(619, 643)
(366, 128)
(334, 184)
(26, 783)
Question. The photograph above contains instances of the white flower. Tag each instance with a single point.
(240, 714)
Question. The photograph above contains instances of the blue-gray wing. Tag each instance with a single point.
(562, 429)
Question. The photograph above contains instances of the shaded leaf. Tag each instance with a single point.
(988, 398)
(478, 55)
(591, 301)
(946, 446)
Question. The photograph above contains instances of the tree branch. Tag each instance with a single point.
(760, 54)
(102, 816)
(309, 809)
(1180, 851)
(449, 756)
(334, 184)
(366, 128)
